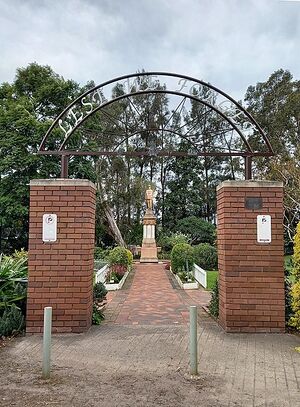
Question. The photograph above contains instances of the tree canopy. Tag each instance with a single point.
(185, 187)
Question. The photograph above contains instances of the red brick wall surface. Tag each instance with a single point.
(61, 273)
(251, 274)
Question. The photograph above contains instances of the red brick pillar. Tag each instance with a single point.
(251, 274)
(61, 272)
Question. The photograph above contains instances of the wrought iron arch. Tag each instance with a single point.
(239, 120)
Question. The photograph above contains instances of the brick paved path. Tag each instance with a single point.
(122, 364)
(149, 299)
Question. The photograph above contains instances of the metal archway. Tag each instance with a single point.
(236, 120)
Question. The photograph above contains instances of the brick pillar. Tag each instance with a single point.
(61, 272)
(251, 274)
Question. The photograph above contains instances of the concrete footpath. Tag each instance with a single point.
(139, 357)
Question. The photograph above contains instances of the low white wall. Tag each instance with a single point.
(101, 274)
(200, 275)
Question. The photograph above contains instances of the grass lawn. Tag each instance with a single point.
(212, 276)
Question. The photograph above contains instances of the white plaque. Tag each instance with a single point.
(264, 229)
(49, 227)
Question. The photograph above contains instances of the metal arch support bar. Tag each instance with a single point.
(153, 91)
(163, 153)
(64, 166)
(248, 167)
(168, 74)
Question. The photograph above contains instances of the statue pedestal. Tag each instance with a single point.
(149, 248)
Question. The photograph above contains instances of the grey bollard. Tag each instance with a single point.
(193, 341)
(47, 342)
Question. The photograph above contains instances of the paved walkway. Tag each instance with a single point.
(136, 360)
(152, 297)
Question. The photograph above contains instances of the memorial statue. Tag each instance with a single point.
(149, 198)
(149, 248)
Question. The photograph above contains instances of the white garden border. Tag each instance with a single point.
(119, 285)
(200, 276)
(186, 286)
(101, 277)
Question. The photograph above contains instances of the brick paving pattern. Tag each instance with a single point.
(151, 299)
(120, 363)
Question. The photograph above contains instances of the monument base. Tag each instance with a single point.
(149, 253)
(149, 248)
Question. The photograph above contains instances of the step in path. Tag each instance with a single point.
(151, 296)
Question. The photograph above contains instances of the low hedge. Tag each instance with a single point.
(121, 256)
(182, 257)
(206, 256)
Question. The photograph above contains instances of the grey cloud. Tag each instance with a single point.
(232, 43)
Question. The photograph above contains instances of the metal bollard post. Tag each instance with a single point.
(193, 341)
(47, 342)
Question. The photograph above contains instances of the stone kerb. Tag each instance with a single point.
(251, 274)
(61, 272)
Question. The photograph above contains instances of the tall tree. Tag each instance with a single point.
(275, 103)
(26, 107)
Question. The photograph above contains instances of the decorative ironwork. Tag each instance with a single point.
(236, 132)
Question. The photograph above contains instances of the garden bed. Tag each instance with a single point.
(116, 286)
(188, 285)
(102, 275)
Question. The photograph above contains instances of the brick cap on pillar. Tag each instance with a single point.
(250, 184)
(62, 182)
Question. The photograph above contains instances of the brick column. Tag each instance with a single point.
(61, 273)
(251, 274)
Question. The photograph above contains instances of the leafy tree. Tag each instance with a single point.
(26, 107)
(198, 229)
(275, 104)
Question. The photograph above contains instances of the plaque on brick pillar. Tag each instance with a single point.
(250, 256)
(149, 248)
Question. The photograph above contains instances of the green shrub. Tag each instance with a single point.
(120, 255)
(97, 315)
(100, 253)
(12, 321)
(13, 267)
(182, 257)
(206, 256)
(129, 257)
(168, 242)
(295, 318)
(162, 255)
(99, 291)
(288, 298)
(119, 259)
(20, 254)
(296, 255)
(214, 302)
(12, 293)
(199, 230)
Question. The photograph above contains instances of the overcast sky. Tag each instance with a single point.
(229, 43)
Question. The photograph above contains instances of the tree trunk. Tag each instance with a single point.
(115, 231)
(112, 224)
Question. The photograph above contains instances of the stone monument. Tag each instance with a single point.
(149, 248)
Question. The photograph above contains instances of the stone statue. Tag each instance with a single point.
(149, 198)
